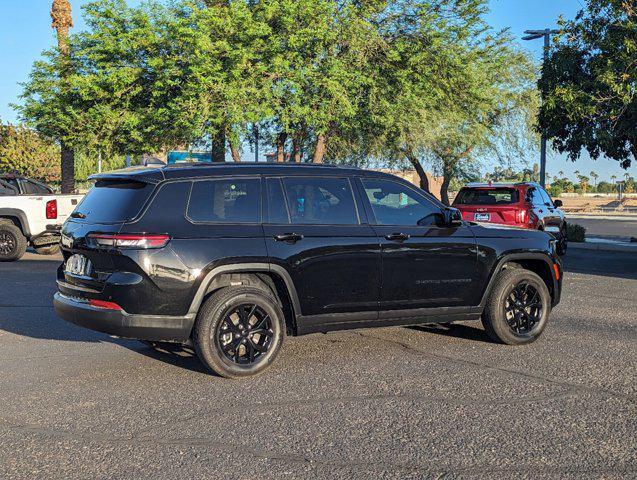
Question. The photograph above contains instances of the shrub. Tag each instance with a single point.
(556, 191)
(575, 232)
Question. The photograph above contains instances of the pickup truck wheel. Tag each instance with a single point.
(518, 307)
(48, 250)
(12, 243)
(239, 331)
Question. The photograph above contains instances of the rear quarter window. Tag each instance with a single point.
(227, 200)
(113, 201)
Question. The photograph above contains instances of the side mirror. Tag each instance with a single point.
(452, 217)
(558, 203)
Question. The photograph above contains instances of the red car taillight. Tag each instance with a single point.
(522, 216)
(52, 209)
(140, 241)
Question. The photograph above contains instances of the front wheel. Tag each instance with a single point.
(239, 331)
(518, 307)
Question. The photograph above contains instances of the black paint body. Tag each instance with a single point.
(334, 276)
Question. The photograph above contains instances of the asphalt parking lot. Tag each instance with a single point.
(385, 403)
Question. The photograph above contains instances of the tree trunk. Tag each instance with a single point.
(62, 21)
(280, 146)
(67, 161)
(218, 150)
(296, 147)
(422, 175)
(320, 148)
(447, 175)
(234, 151)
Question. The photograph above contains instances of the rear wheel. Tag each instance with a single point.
(12, 243)
(239, 331)
(517, 308)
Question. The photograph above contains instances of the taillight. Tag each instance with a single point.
(521, 216)
(124, 240)
(52, 209)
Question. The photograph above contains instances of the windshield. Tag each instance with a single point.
(486, 196)
(111, 201)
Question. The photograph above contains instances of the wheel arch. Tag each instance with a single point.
(539, 263)
(18, 218)
(275, 277)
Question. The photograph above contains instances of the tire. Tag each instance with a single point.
(562, 243)
(226, 340)
(47, 250)
(505, 321)
(12, 243)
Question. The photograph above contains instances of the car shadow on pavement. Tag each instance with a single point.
(456, 330)
(175, 355)
(599, 263)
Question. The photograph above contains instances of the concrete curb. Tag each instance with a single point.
(603, 247)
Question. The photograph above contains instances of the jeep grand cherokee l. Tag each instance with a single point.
(231, 258)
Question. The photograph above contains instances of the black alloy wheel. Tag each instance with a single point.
(12, 243)
(245, 334)
(517, 308)
(239, 331)
(523, 308)
(8, 243)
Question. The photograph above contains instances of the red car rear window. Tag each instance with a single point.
(486, 196)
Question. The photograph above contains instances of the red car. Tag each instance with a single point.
(525, 205)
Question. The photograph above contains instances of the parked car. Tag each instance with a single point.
(524, 205)
(31, 215)
(231, 258)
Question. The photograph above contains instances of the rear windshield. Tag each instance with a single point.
(111, 201)
(486, 196)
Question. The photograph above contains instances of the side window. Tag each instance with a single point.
(320, 200)
(6, 189)
(35, 188)
(277, 209)
(545, 197)
(534, 197)
(396, 204)
(228, 200)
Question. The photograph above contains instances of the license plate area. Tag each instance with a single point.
(78, 265)
(482, 217)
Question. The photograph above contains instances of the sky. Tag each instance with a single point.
(25, 31)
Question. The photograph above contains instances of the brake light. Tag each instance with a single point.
(521, 216)
(104, 304)
(52, 209)
(140, 241)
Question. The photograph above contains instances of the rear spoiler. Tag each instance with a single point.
(135, 174)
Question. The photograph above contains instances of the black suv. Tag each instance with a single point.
(230, 258)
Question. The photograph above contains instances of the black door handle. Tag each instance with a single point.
(397, 237)
(288, 237)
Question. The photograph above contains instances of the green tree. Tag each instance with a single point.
(588, 83)
(24, 152)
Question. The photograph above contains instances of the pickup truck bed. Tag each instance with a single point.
(31, 215)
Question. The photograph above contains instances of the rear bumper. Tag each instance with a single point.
(122, 324)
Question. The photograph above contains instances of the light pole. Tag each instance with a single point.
(534, 35)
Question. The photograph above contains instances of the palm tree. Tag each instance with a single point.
(594, 176)
(561, 173)
(62, 22)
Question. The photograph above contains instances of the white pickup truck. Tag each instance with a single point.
(31, 214)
